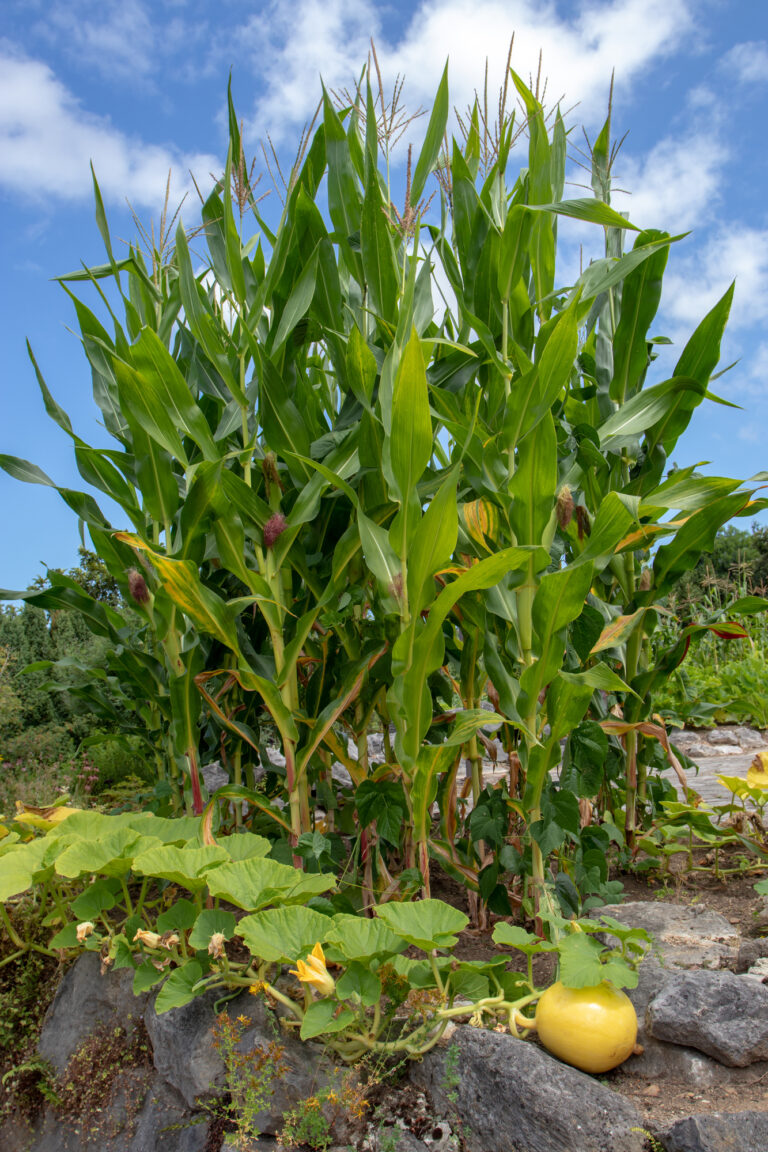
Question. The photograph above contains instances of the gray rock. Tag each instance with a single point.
(185, 1056)
(166, 1123)
(396, 1138)
(214, 776)
(660, 1061)
(696, 751)
(748, 737)
(340, 774)
(719, 1013)
(84, 999)
(750, 951)
(513, 1097)
(139, 1117)
(760, 917)
(275, 758)
(719, 1132)
(723, 737)
(684, 936)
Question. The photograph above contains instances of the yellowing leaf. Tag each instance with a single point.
(481, 521)
(757, 776)
(43, 818)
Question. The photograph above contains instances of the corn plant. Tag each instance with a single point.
(347, 503)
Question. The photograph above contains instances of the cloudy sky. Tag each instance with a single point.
(139, 88)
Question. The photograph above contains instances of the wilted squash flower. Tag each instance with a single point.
(84, 929)
(313, 971)
(216, 945)
(151, 939)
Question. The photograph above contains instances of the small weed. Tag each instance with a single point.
(313, 1121)
(28, 1085)
(654, 1145)
(249, 1078)
(451, 1078)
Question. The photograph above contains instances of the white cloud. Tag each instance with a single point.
(747, 63)
(292, 46)
(674, 186)
(47, 141)
(694, 283)
(116, 37)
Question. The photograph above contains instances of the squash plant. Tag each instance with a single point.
(114, 885)
(347, 501)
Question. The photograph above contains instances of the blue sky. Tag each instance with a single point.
(140, 88)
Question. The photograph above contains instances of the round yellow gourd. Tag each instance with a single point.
(594, 1029)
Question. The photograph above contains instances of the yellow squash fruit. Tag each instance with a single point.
(594, 1029)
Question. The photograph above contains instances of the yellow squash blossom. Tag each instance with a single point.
(313, 971)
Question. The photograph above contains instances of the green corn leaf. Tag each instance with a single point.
(231, 236)
(513, 254)
(599, 676)
(378, 253)
(431, 761)
(361, 366)
(702, 352)
(640, 297)
(97, 469)
(433, 138)
(180, 580)
(696, 535)
(646, 410)
(467, 722)
(156, 478)
(606, 273)
(616, 515)
(410, 444)
(433, 545)
(25, 471)
(162, 381)
(413, 661)
(299, 301)
(534, 483)
(143, 406)
(379, 555)
(587, 209)
(559, 600)
(534, 393)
